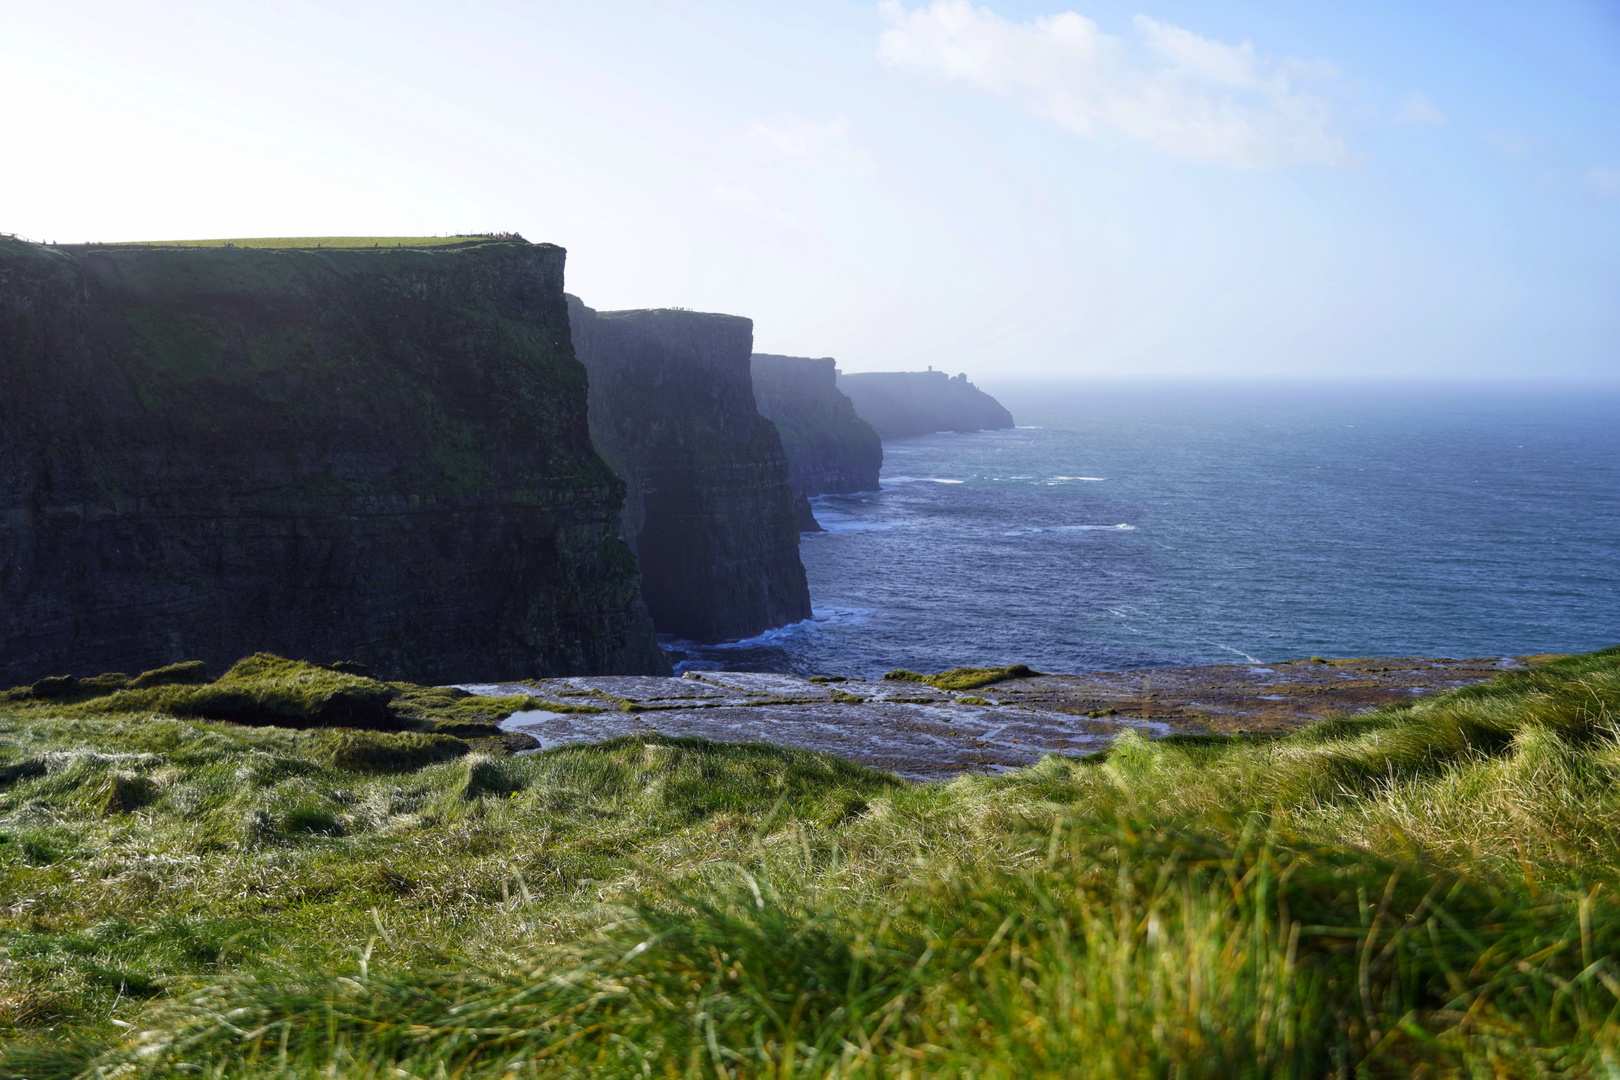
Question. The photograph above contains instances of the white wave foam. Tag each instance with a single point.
(1026, 530)
(887, 480)
(1235, 652)
(819, 617)
(833, 524)
(1092, 479)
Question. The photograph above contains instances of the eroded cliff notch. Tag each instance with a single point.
(374, 454)
(709, 508)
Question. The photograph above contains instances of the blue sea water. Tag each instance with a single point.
(1122, 527)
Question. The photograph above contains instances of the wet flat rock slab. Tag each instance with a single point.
(924, 733)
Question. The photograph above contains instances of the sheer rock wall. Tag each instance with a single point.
(829, 449)
(378, 455)
(709, 509)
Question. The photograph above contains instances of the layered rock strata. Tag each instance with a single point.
(709, 508)
(900, 403)
(379, 455)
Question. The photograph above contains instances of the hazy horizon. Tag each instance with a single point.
(1072, 192)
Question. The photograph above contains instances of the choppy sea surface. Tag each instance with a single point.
(1125, 527)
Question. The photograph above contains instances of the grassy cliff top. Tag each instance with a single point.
(282, 242)
(1422, 890)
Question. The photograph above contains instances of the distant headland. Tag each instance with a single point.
(900, 403)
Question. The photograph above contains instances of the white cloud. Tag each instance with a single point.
(1177, 91)
(795, 136)
(1420, 109)
(1308, 69)
(744, 198)
(1222, 65)
(1604, 182)
(1508, 143)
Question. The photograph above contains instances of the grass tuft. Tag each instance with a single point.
(964, 678)
(490, 776)
(378, 752)
(186, 673)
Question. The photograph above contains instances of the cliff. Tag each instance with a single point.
(829, 449)
(898, 403)
(709, 509)
(374, 454)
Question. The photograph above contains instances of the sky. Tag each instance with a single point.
(1157, 189)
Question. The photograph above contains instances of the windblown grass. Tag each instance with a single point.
(1419, 891)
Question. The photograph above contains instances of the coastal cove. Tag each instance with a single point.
(1125, 527)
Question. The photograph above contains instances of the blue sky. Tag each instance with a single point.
(1076, 190)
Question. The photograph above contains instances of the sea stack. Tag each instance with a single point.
(829, 449)
(709, 508)
(900, 403)
(369, 454)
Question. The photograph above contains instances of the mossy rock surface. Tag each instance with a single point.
(964, 678)
(264, 690)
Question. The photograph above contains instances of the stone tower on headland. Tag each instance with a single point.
(900, 403)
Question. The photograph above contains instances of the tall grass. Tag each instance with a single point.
(1425, 891)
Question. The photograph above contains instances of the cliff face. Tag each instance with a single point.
(375, 455)
(709, 509)
(898, 403)
(829, 449)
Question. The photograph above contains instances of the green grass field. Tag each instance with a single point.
(1426, 891)
(271, 242)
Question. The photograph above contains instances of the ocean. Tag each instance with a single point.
(1136, 526)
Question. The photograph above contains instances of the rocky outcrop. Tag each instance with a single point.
(709, 510)
(924, 732)
(899, 403)
(379, 455)
(829, 449)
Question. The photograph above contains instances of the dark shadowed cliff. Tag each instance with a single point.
(709, 508)
(829, 449)
(378, 455)
(899, 403)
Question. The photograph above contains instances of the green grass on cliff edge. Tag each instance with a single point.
(280, 242)
(1422, 891)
